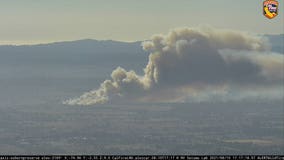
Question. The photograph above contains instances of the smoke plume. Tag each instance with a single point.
(189, 62)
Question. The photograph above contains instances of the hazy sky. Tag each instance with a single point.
(41, 21)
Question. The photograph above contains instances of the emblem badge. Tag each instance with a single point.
(270, 8)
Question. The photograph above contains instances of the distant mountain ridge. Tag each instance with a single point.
(104, 54)
(277, 42)
(103, 46)
(85, 45)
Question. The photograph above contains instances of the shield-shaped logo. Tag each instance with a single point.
(270, 8)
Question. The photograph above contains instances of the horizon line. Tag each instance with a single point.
(34, 43)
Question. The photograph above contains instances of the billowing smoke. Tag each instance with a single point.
(189, 62)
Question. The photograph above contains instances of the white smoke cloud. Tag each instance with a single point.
(189, 62)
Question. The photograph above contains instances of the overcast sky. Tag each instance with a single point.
(42, 21)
